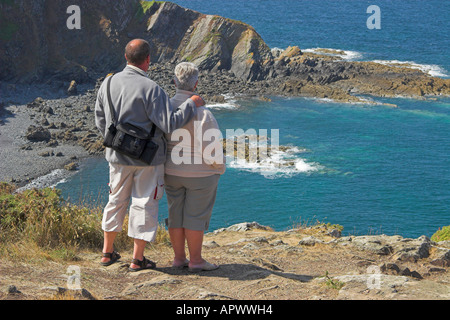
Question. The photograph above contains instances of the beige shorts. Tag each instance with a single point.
(191, 201)
(144, 187)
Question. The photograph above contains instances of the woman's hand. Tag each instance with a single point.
(199, 102)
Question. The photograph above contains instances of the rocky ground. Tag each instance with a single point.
(256, 263)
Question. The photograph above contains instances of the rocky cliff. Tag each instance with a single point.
(37, 46)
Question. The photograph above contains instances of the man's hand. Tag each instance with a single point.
(199, 102)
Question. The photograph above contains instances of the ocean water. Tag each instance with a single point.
(370, 168)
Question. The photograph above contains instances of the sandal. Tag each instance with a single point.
(143, 264)
(205, 267)
(185, 264)
(113, 256)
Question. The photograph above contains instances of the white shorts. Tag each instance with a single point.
(144, 186)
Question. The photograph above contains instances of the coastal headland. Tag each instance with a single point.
(49, 78)
(50, 74)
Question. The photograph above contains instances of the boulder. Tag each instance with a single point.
(38, 134)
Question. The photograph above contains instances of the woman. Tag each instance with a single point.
(192, 175)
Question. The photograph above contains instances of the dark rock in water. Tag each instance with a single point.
(38, 134)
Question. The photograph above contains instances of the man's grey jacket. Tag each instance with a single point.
(141, 102)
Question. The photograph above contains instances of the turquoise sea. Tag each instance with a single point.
(372, 169)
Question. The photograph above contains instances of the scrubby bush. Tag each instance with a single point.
(42, 218)
(441, 234)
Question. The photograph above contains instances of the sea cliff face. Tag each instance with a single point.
(37, 46)
(212, 42)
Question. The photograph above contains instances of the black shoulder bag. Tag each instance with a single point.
(128, 139)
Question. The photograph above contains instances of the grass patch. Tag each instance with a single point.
(314, 223)
(39, 225)
(442, 234)
(144, 6)
(332, 284)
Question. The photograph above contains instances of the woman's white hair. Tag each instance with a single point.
(186, 76)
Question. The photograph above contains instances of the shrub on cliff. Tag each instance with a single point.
(441, 234)
(41, 218)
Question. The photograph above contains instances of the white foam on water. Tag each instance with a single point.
(432, 69)
(343, 54)
(222, 106)
(281, 164)
(50, 180)
(229, 104)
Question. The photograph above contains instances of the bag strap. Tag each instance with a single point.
(111, 108)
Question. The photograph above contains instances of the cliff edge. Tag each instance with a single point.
(256, 263)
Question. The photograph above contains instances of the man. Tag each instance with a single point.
(139, 101)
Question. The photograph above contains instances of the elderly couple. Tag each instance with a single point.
(190, 188)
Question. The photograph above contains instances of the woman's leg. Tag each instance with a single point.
(176, 194)
(195, 242)
(177, 238)
(199, 203)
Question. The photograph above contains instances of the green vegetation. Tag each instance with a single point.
(144, 6)
(332, 284)
(442, 234)
(40, 225)
(213, 36)
(314, 223)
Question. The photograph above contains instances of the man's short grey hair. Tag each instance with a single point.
(186, 76)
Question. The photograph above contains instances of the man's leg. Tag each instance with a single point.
(108, 244)
(138, 252)
(143, 222)
(116, 209)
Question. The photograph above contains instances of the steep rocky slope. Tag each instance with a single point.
(36, 46)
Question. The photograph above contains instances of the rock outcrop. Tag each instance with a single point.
(212, 42)
(36, 45)
(256, 263)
